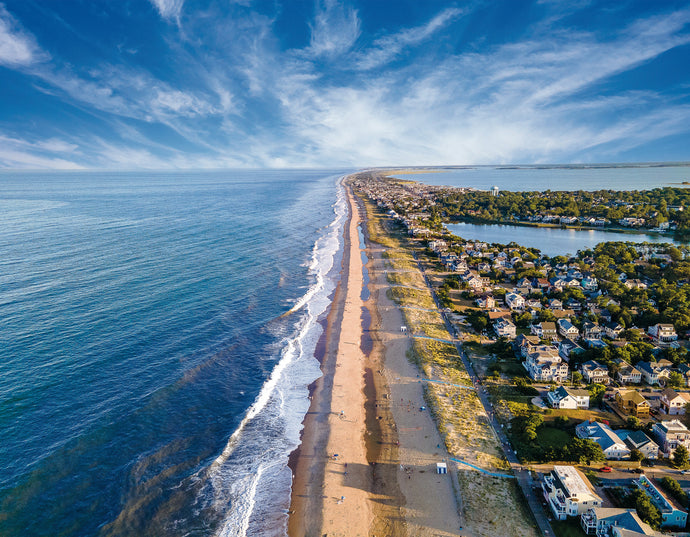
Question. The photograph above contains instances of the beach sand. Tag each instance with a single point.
(367, 463)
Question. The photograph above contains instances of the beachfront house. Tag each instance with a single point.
(612, 446)
(568, 398)
(568, 493)
(672, 515)
(504, 328)
(545, 365)
(607, 521)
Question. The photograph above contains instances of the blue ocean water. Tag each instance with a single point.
(149, 381)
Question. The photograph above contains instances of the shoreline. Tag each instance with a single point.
(383, 480)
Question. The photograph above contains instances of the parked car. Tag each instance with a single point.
(637, 470)
(606, 469)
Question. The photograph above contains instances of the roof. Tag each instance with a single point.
(599, 432)
(592, 365)
(633, 396)
(635, 439)
(671, 426)
(571, 482)
(626, 520)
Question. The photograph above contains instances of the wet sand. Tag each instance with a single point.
(367, 461)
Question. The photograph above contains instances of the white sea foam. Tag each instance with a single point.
(250, 480)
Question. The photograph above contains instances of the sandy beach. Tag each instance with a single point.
(367, 463)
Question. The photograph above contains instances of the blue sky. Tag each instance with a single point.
(327, 83)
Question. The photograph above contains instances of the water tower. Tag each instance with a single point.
(494, 190)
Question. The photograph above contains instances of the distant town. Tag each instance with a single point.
(584, 357)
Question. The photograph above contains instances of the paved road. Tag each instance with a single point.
(524, 476)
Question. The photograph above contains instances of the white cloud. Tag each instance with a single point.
(19, 153)
(169, 9)
(335, 29)
(388, 47)
(17, 47)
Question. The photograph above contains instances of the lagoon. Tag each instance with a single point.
(551, 241)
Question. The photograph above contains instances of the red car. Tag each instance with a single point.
(606, 469)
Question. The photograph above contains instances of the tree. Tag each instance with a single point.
(636, 455)
(675, 380)
(596, 392)
(681, 457)
(634, 423)
(577, 378)
(646, 510)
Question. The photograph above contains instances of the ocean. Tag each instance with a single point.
(157, 340)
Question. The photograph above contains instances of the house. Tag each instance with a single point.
(486, 302)
(544, 330)
(567, 348)
(663, 334)
(515, 301)
(632, 402)
(672, 516)
(605, 521)
(526, 344)
(545, 365)
(555, 304)
(504, 328)
(612, 446)
(640, 441)
(655, 372)
(589, 284)
(669, 435)
(567, 329)
(613, 330)
(568, 493)
(673, 403)
(591, 330)
(594, 372)
(569, 398)
(628, 374)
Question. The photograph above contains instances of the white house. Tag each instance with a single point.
(569, 398)
(568, 493)
(594, 372)
(515, 301)
(627, 374)
(655, 372)
(612, 446)
(673, 403)
(663, 334)
(567, 329)
(504, 328)
(670, 434)
(545, 365)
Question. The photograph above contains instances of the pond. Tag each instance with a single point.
(551, 241)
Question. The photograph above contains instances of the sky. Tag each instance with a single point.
(187, 84)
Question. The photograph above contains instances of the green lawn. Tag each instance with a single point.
(552, 437)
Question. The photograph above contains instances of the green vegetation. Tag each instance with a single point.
(674, 489)
(681, 458)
